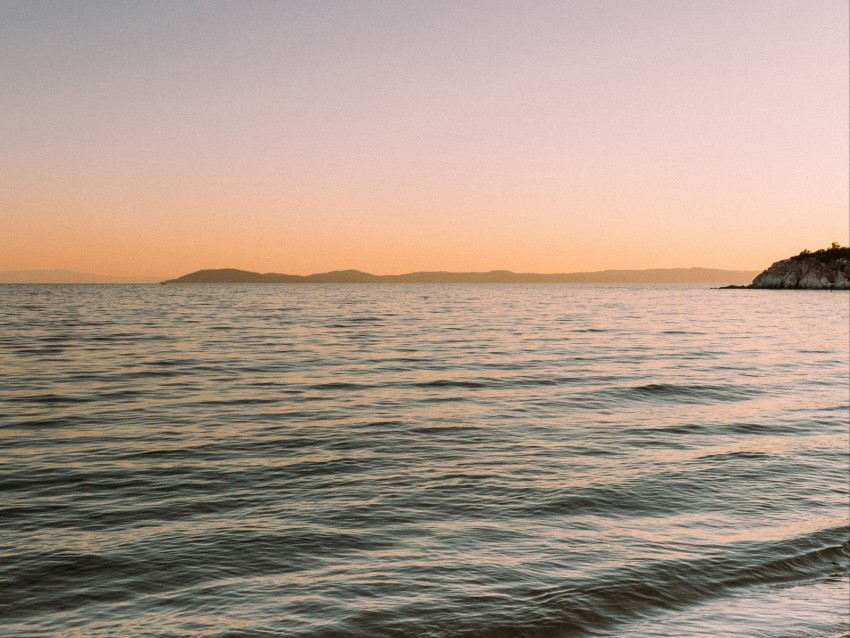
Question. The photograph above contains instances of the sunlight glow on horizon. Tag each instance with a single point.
(294, 137)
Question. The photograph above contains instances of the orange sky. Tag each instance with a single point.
(160, 138)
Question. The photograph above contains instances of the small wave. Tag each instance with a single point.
(440, 429)
(168, 363)
(120, 394)
(38, 423)
(451, 383)
(149, 374)
(339, 385)
(52, 399)
(65, 579)
(743, 454)
(241, 401)
(616, 597)
(687, 393)
(711, 429)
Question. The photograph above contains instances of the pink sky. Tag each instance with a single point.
(159, 138)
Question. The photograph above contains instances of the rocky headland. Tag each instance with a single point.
(826, 269)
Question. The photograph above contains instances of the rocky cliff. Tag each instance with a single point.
(824, 269)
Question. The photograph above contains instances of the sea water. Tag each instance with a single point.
(423, 460)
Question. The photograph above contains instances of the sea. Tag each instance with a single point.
(432, 461)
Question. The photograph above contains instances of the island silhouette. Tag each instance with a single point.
(650, 276)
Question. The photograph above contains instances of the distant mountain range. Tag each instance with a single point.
(67, 277)
(651, 276)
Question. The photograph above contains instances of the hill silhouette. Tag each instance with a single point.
(650, 276)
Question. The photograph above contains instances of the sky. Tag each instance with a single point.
(157, 138)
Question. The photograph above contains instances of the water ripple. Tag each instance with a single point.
(431, 461)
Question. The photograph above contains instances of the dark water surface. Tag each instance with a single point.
(428, 461)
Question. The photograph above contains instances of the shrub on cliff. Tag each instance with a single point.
(826, 255)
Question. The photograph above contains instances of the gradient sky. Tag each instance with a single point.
(158, 137)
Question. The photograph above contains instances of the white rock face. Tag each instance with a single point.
(806, 273)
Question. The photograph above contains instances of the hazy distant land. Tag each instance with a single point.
(651, 276)
(67, 277)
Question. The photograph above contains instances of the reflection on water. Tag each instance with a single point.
(423, 461)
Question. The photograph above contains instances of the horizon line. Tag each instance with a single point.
(68, 276)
